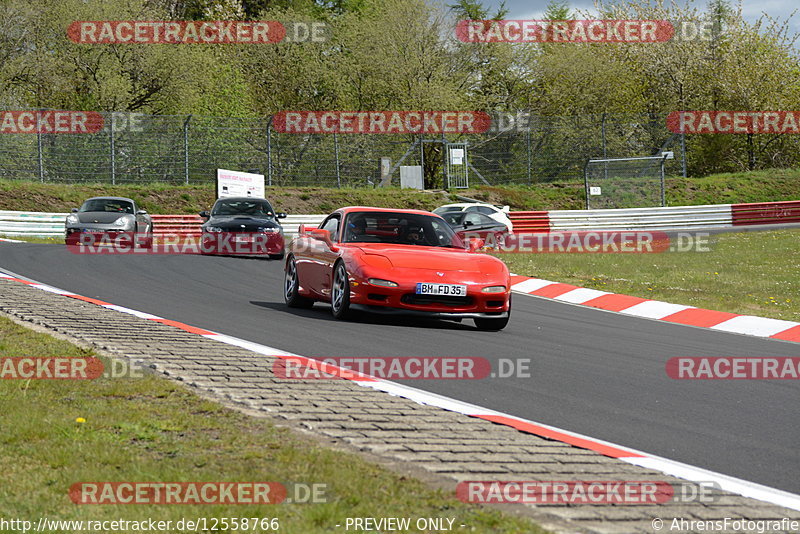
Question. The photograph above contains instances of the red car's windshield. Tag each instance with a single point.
(399, 229)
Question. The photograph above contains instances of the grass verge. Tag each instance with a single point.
(159, 198)
(752, 273)
(150, 429)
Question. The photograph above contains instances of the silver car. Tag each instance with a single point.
(109, 215)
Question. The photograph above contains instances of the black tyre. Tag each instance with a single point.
(340, 292)
(491, 325)
(203, 251)
(149, 242)
(278, 256)
(291, 283)
(140, 241)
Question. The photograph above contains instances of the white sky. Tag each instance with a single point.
(751, 9)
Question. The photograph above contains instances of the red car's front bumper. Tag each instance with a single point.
(476, 303)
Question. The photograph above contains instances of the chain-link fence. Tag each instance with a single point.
(625, 182)
(137, 148)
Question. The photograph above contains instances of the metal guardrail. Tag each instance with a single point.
(709, 216)
(530, 221)
(32, 224)
(36, 224)
(712, 216)
(766, 212)
(190, 224)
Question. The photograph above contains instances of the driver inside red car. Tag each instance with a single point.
(356, 229)
(414, 236)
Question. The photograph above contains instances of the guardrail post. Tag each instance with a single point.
(683, 153)
(586, 182)
(528, 143)
(269, 151)
(39, 145)
(186, 148)
(113, 156)
(422, 157)
(336, 152)
(605, 151)
(445, 176)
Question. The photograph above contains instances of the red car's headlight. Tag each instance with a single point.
(494, 289)
(381, 282)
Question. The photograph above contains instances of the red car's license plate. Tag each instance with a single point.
(451, 290)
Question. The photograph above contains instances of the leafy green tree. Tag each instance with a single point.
(557, 10)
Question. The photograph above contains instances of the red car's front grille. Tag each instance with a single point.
(435, 300)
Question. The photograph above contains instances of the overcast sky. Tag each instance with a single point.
(751, 9)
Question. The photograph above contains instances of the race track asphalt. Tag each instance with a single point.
(593, 372)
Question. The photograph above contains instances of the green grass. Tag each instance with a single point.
(752, 273)
(54, 240)
(160, 198)
(150, 429)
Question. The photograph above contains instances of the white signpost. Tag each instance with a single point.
(411, 177)
(239, 184)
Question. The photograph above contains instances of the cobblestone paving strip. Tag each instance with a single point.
(442, 447)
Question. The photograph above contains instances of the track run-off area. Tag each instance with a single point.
(593, 372)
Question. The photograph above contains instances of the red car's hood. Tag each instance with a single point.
(434, 258)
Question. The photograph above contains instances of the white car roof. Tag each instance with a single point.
(468, 204)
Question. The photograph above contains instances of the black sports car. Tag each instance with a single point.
(243, 225)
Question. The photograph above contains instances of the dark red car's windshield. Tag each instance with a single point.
(399, 229)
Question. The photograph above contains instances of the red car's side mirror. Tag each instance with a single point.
(324, 236)
(476, 244)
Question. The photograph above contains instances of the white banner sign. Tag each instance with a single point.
(239, 184)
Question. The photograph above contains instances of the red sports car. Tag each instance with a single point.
(384, 260)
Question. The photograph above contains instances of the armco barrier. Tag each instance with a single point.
(766, 213)
(31, 224)
(36, 224)
(712, 216)
(530, 221)
(189, 225)
(183, 225)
